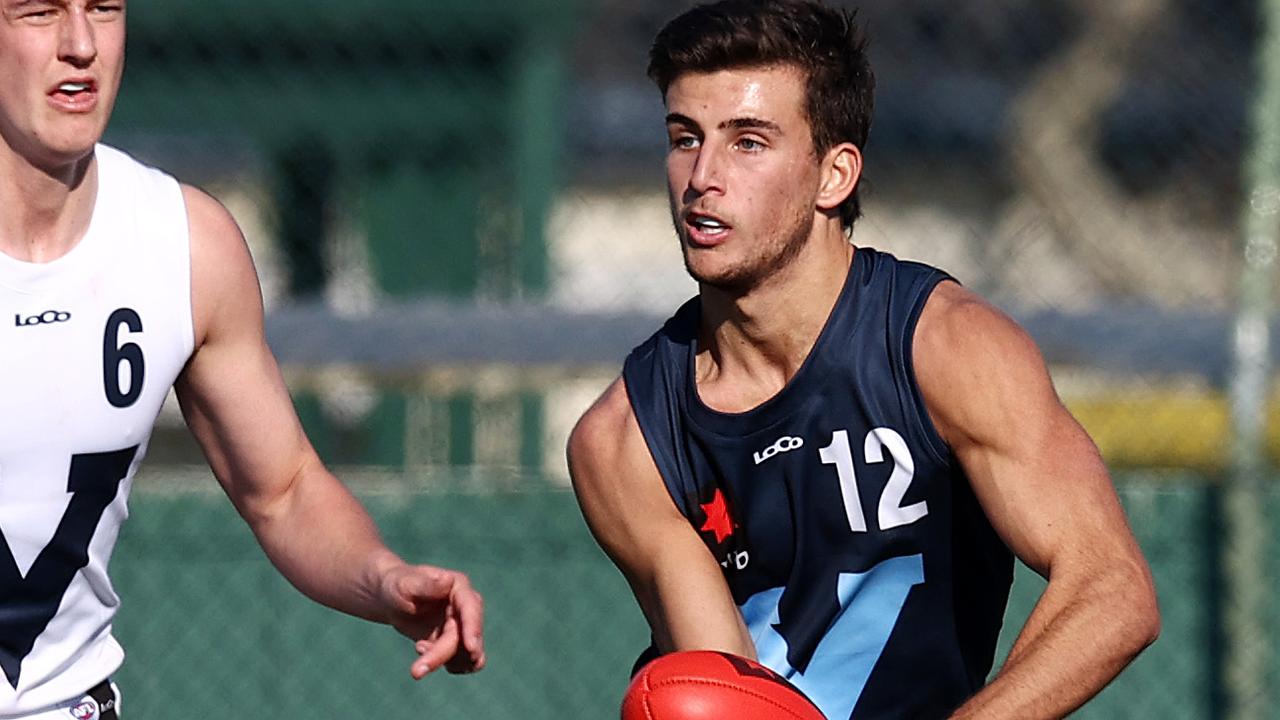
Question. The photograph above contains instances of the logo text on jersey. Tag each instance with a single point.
(87, 710)
(48, 317)
(786, 443)
(736, 560)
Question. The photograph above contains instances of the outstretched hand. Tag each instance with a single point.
(440, 611)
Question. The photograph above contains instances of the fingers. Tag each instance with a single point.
(420, 668)
(470, 657)
(468, 607)
(455, 638)
(430, 652)
(434, 653)
(465, 662)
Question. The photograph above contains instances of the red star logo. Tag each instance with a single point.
(718, 519)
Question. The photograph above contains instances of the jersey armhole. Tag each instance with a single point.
(937, 447)
(663, 457)
(187, 321)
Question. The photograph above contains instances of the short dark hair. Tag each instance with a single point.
(825, 43)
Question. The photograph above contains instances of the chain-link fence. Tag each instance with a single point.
(458, 212)
(210, 626)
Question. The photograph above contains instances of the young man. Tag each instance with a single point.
(824, 459)
(122, 283)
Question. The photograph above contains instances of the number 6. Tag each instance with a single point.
(113, 355)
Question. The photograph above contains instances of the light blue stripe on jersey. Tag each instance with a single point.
(870, 604)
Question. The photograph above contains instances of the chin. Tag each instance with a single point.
(734, 280)
(729, 272)
(66, 150)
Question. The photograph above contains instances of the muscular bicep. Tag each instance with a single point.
(1038, 476)
(675, 579)
(231, 391)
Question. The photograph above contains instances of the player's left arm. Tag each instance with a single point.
(313, 530)
(1046, 491)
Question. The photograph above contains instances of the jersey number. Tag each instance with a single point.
(27, 604)
(113, 354)
(868, 603)
(890, 513)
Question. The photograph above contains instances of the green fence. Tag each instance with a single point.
(435, 124)
(209, 626)
(211, 629)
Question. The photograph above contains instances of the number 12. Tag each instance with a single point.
(891, 513)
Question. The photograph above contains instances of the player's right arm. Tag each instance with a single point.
(313, 529)
(675, 579)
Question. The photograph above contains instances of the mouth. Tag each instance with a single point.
(706, 229)
(75, 95)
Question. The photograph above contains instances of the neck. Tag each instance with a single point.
(44, 211)
(762, 336)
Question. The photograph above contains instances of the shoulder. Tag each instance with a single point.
(957, 322)
(974, 364)
(880, 282)
(679, 330)
(223, 279)
(209, 220)
(665, 351)
(614, 477)
(874, 263)
(605, 429)
(607, 451)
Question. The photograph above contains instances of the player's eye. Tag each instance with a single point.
(750, 144)
(38, 13)
(683, 142)
(106, 10)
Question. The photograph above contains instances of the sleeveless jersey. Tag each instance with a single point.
(92, 343)
(850, 538)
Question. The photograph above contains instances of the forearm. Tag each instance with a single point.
(689, 608)
(1076, 641)
(675, 579)
(324, 542)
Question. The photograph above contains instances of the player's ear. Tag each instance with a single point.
(841, 168)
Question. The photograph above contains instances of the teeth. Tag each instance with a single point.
(709, 223)
(73, 87)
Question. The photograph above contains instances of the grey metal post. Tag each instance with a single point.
(1247, 654)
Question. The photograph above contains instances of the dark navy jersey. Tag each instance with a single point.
(850, 538)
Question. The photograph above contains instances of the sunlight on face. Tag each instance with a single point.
(742, 174)
(60, 67)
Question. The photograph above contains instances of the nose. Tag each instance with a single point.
(706, 176)
(76, 44)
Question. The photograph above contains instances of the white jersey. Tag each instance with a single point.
(92, 342)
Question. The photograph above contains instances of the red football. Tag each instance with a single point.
(705, 685)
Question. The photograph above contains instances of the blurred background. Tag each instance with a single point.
(457, 210)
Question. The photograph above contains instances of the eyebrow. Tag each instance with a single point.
(743, 123)
(16, 5)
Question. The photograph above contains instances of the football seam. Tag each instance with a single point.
(648, 708)
(648, 687)
(719, 683)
